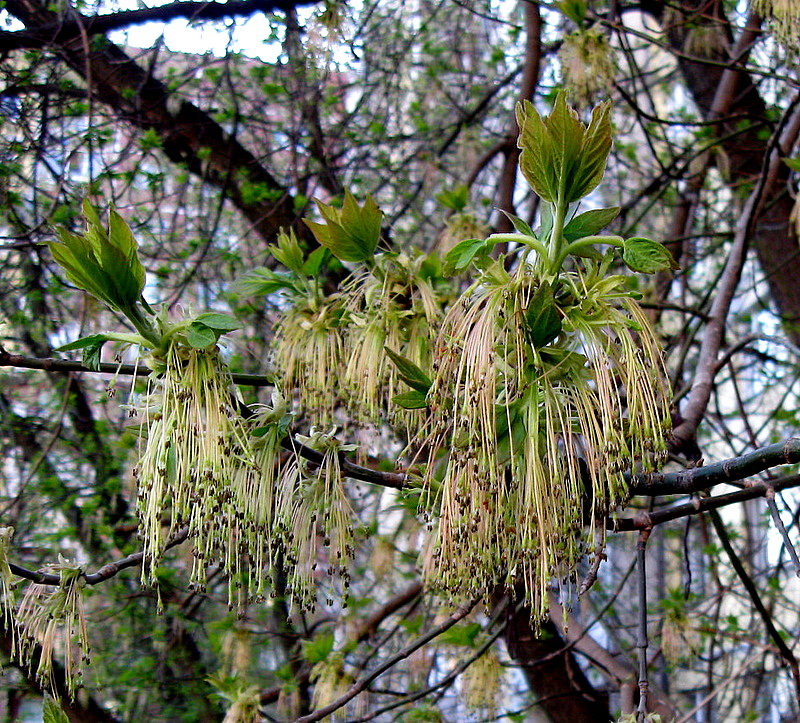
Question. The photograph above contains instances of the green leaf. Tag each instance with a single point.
(519, 225)
(590, 222)
(350, 233)
(647, 256)
(461, 634)
(318, 649)
(462, 254)
(288, 251)
(315, 261)
(200, 336)
(83, 342)
(220, 322)
(263, 282)
(793, 163)
(546, 220)
(411, 400)
(562, 159)
(542, 319)
(575, 10)
(594, 152)
(91, 345)
(104, 263)
(455, 199)
(409, 372)
(52, 712)
(538, 158)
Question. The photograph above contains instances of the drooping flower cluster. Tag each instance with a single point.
(587, 65)
(53, 617)
(784, 20)
(547, 385)
(7, 579)
(330, 349)
(314, 520)
(390, 305)
(201, 466)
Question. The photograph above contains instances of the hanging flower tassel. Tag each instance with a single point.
(49, 616)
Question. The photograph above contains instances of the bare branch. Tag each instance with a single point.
(363, 682)
(65, 365)
(729, 470)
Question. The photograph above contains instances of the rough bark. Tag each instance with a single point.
(564, 692)
(773, 239)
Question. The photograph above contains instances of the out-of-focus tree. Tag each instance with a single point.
(215, 160)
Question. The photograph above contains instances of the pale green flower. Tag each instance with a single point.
(315, 521)
(587, 65)
(54, 617)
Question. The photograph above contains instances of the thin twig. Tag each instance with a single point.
(127, 370)
(363, 682)
(103, 573)
(641, 635)
(748, 584)
(776, 518)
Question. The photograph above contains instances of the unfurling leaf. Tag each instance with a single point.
(52, 712)
(103, 262)
(647, 256)
(350, 233)
(455, 199)
(793, 163)
(220, 322)
(519, 225)
(263, 282)
(462, 254)
(91, 346)
(542, 319)
(561, 158)
(200, 336)
(288, 251)
(590, 222)
(315, 261)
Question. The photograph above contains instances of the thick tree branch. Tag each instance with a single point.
(189, 136)
(644, 520)
(696, 479)
(56, 32)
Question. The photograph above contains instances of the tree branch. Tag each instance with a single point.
(729, 470)
(56, 32)
(188, 135)
(364, 681)
(64, 365)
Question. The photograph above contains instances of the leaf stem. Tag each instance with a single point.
(581, 243)
(142, 325)
(530, 241)
(557, 234)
